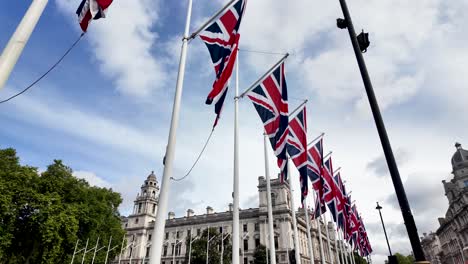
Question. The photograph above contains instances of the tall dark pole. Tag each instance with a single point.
(399, 189)
(383, 225)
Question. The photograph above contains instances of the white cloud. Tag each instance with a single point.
(92, 178)
(122, 44)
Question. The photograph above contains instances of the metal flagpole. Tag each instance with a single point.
(207, 244)
(288, 240)
(269, 206)
(18, 41)
(121, 248)
(235, 209)
(95, 250)
(84, 252)
(264, 75)
(343, 249)
(190, 246)
(319, 225)
(108, 249)
(309, 238)
(328, 238)
(159, 225)
(74, 251)
(293, 215)
(392, 166)
(339, 257)
(196, 32)
(267, 237)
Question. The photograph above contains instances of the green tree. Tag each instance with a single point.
(260, 255)
(358, 259)
(43, 215)
(404, 259)
(198, 255)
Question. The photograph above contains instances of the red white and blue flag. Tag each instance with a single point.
(91, 9)
(341, 198)
(270, 99)
(315, 171)
(297, 147)
(222, 39)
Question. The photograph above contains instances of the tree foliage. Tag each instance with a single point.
(358, 259)
(198, 255)
(404, 259)
(260, 255)
(43, 215)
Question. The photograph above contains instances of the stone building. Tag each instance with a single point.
(253, 227)
(452, 233)
(431, 247)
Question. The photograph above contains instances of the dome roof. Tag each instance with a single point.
(152, 177)
(460, 158)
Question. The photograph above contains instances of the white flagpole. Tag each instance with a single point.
(84, 252)
(319, 225)
(339, 257)
(74, 251)
(196, 32)
(95, 250)
(159, 225)
(121, 249)
(270, 209)
(293, 215)
(235, 210)
(345, 249)
(108, 249)
(16, 44)
(328, 238)
(309, 238)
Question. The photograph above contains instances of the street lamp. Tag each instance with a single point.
(391, 258)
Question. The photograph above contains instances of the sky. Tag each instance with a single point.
(105, 110)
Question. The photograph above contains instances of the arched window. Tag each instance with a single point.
(273, 199)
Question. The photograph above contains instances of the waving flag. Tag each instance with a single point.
(222, 39)
(297, 147)
(315, 171)
(329, 187)
(91, 9)
(341, 202)
(270, 99)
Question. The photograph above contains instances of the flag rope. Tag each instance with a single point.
(47, 72)
(196, 161)
(264, 52)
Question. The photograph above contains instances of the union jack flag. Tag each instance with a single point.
(315, 171)
(270, 99)
(329, 188)
(297, 147)
(222, 39)
(341, 202)
(91, 9)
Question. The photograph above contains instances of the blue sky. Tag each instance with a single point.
(105, 109)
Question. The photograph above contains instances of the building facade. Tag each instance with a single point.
(431, 247)
(253, 227)
(452, 234)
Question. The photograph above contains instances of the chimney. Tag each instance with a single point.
(231, 207)
(189, 212)
(171, 215)
(209, 210)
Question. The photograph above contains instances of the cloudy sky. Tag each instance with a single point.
(106, 109)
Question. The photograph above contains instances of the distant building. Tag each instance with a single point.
(431, 246)
(139, 227)
(452, 233)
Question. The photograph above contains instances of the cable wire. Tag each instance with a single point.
(46, 73)
(198, 158)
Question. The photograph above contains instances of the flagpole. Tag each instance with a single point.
(309, 238)
(18, 41)
(121, 248)
(297, 108)
(293, 215)
(328, 237)
(235, 209)
(270, 209)
(95, 250)
(264, 75)
(322, 254)
(108, 249)
(315, 139)
(196, 32)
(84, 252)
(339, 257)
(387, 148)
(159, 225)
(74, 251)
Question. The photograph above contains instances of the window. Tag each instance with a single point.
(149, 237)
(257, 227)
(177, 234)
(275, 225)
(154, 208)
(139, 207)
(257, 242)
(276, 242)
(221, 229)
(136, 221)
(245, 261)
(173, 249)
(147, 251)
(165, 250)
(245, 227)
(189, 233)
(273, 200)
(466, 183)
(167, 235)
(198, 232)
(246, 244)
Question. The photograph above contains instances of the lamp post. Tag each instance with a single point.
(391, 258)
(360, 44)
